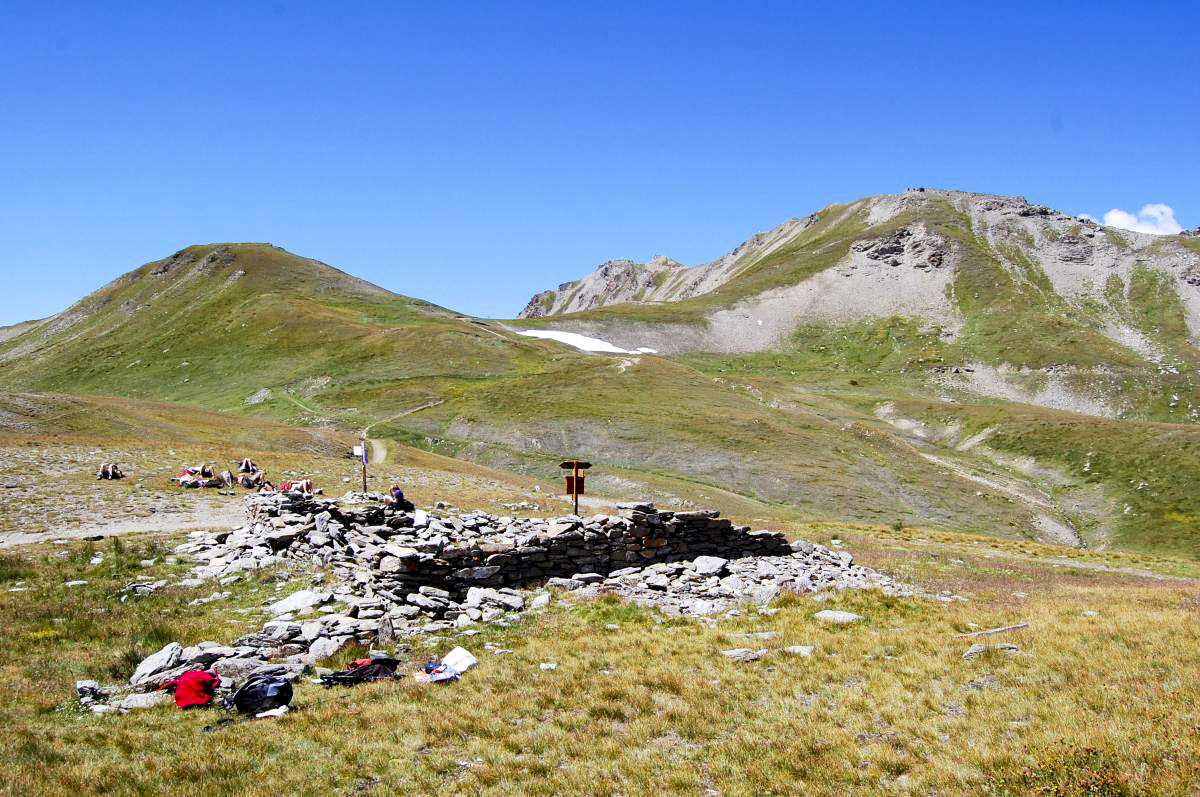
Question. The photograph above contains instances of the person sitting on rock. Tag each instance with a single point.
(395, 497)
(246, 466)
(266, 487)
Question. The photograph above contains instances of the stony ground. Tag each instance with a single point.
(594, 694)
(48, 488)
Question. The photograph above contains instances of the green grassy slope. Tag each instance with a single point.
(254, 330)
(223, 323)
(1150, 470)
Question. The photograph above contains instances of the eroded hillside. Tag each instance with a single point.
(1002, 298)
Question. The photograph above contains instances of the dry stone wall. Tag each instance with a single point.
(399, 552)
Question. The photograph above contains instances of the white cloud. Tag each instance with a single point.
(1156, 219)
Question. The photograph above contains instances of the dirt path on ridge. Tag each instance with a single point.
(197, 518)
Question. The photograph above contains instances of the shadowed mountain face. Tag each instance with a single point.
(785, 392)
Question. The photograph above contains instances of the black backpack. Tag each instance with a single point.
(260, 693)
(380, 670)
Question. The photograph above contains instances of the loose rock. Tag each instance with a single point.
(979, 648)
(837, 617)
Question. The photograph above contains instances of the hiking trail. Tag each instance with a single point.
(197, 518)
(378, 447)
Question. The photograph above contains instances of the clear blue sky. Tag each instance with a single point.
(472, 154)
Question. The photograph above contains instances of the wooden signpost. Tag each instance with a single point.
(575, 478)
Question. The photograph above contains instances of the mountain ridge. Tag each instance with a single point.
(608, 284)
(799, 427)
(996, 287)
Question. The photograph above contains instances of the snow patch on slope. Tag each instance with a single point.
(583, 343)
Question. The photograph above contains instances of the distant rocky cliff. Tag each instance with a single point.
(660, 280)
(1052, 251)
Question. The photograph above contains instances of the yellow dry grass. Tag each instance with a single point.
(1104, 703)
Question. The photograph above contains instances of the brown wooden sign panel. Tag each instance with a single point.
(572, 464)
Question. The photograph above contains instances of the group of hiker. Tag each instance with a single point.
(204, 475)
(248, 475)
(109, 471)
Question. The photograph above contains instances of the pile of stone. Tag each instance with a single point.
(415, 564)
(711, 584)
(398, 573)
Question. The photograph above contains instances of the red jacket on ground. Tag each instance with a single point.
(193, 688)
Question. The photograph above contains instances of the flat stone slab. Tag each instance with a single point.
(709, 565)
(799, 650)
(144, 700)
(837, 617)
(979, 648)
(303, 599)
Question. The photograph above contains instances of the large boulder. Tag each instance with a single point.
(325, 647)
(153, 664)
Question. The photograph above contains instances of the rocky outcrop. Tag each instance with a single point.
(661, 279)
(1075, 257)
(614, 282)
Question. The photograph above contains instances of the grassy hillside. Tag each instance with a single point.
(1149, 470)
(255, 331)
(1100, 699)
(216, 326)
(223, 321)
